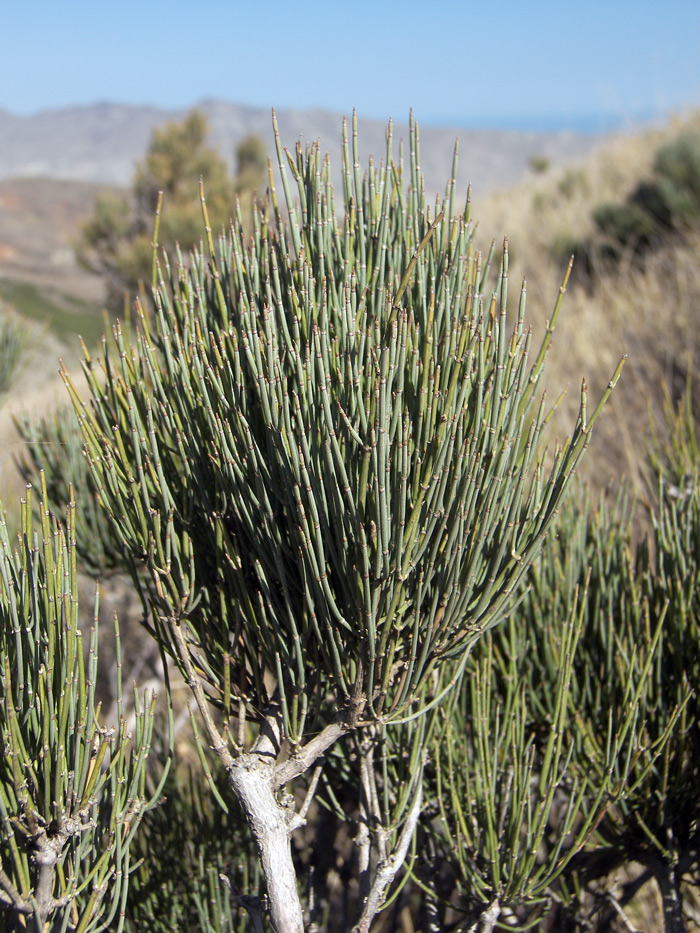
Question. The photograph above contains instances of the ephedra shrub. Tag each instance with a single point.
(72, 783)
(320, 461)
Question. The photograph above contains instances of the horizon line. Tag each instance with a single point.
(588, 123)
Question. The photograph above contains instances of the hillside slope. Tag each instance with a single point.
(101, 143)
(647, 309)
(649, 313)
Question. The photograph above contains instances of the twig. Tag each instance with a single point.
(363, 839)
(304, 757)
(387, 869)
(614, 903)
(195, 685)
(12, 896)
(299, 819)
(255, 906)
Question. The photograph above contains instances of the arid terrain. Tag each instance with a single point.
(39, 220)
(535, 189)
(53, 165)
(647, 311)
(40, 278)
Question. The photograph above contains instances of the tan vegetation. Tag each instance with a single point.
(648, 311)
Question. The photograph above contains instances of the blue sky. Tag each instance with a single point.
(523, 65)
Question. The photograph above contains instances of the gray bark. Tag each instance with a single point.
(256, 776)
(487, 919)
(388, 867)
(253, 779)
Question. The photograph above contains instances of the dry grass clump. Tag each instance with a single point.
(646, 308)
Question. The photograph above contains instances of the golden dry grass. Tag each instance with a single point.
(649, 312)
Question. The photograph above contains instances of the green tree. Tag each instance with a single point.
(117, 242)
(251, 165)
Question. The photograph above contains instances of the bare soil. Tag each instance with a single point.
(40, 220)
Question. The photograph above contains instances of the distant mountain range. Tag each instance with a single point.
(102, 142)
